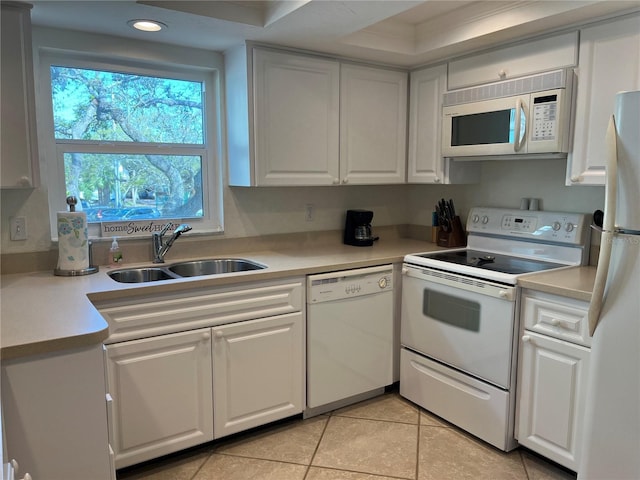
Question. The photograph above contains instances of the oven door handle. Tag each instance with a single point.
(483, 287)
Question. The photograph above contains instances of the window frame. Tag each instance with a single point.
(210, 152)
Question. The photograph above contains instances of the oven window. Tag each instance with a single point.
(451, 310)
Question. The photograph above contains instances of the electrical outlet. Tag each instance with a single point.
(18, 228)
(308, 212)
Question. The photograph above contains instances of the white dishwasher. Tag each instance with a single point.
(349, 336)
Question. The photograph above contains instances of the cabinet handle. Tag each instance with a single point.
(526, 338)
(219, 334)
(575, 179)
(15, 465)
(27, 477)
(555, 321)
(502, 74)
(336, 181)
(436, 180)
(345, 180)
(206, 336)
(110, 417)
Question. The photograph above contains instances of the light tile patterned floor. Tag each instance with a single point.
(383, 438)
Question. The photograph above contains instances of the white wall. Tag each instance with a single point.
(263, 211)
(504, 183)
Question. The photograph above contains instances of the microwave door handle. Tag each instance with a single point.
(520, 136)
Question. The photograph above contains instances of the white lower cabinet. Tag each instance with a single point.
(230, 359)
(258, 372)
(161, 392)
(552, 378)
(54, 419)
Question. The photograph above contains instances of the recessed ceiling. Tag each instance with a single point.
(395, 32)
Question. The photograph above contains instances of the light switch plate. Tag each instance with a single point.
(18, 228)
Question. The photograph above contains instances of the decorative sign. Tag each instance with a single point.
(141, 228)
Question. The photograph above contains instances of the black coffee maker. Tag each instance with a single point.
(357, 229)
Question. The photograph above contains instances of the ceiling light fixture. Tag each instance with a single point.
(146, 25)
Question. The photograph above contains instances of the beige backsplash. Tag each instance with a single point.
(194, 246)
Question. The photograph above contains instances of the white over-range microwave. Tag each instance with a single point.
(524, 116)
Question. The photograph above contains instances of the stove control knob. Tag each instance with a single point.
(556, 226)
(475, 218)
(503, 294)
(485, 219)
(382, 283)
(569, 227)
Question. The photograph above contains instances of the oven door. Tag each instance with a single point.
(463, 322)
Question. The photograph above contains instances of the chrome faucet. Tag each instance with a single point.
(160, 249)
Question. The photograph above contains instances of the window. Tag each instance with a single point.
(133, 143)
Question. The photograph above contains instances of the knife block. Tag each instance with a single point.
(452, 236)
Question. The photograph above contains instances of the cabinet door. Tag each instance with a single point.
(526, 58)
(19, 152)
(54, 418)
(373, 125)
(258, 371)
(609, 63)
(551, 393)
(425, 121)
(162, 395)
(296, 108)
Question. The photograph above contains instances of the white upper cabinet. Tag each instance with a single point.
(609, 63)
(425, 163)
(19, 152)
(297, 119)
(525, 58)
(373, 125)
(296, 113)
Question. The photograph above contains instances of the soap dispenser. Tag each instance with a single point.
(115, 254)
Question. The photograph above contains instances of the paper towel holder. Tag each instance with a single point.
(72, 202)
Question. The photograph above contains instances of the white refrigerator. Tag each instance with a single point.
(611, 440)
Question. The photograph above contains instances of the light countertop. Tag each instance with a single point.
(42, 313)
(573, 282)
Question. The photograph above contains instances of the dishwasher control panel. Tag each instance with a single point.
(349, 283)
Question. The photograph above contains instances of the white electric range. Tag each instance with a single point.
(460, 319)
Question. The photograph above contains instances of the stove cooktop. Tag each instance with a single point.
(503, 244)
(492, 261)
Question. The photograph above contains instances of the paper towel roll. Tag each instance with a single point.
(73, 244)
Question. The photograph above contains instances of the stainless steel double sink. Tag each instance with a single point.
(191, 268)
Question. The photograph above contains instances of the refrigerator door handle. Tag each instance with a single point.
(608, 227)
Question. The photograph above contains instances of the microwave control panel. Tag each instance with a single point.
(545, 117)
(548, 119)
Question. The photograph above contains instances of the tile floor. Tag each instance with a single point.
(383, 438)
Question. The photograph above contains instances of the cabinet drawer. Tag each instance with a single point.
(152, 315)
(556, 316)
